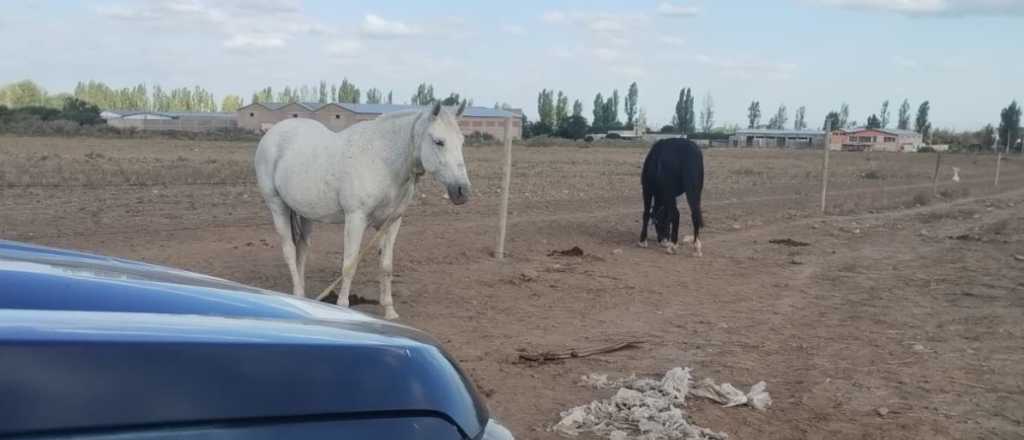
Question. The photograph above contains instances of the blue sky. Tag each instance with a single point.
(964, 56)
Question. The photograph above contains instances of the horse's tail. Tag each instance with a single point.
(298, 232)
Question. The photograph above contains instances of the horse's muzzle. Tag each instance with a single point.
(458, 194)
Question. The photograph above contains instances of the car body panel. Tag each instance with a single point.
(90, 342)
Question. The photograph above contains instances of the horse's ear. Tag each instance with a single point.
(436, 110)
(462, 109)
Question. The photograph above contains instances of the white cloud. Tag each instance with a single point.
(512, 29)
(244, 41)
(743, 68)
(918, 8)
(559, 52)
(634, 72)
(905, 63)
(377, 27)
(605, 54)
(345, 48)
(669, 9)
(553, 17)
(605, 24)
(242, 24)
(673, 41)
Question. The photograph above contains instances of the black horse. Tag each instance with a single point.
(673, 167)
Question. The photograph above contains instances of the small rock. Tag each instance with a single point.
(882, 411)
(814, 226)
(528, 275)
(1018, 257)
(617, 252)
(736, 226)
(856, 232)
(918, 347)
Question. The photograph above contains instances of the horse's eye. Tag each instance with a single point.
(439, 142)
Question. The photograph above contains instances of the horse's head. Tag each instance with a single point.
(441, 152)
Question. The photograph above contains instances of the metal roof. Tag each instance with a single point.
(895, 131)
(175, 115)
(771, 132)
(376, 109)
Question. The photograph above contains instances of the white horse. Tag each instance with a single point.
(364, 175)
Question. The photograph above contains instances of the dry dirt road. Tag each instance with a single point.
(915, 309)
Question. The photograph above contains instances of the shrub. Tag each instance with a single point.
(588, 139)
(612, 136)
(920, 199)
(926, 149)
(479, 138)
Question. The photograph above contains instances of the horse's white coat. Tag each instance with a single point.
(364, 175)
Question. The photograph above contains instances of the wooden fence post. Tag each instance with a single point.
(935, 177)
(824, 165)
(506, 182)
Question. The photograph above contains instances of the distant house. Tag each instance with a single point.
(762, 138)
(876, 139)
(169, 121)
(337, 116)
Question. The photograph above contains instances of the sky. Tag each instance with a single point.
(965, 56)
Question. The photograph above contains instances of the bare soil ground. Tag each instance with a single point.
(901, 301)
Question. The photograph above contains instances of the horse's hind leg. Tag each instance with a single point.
(387, 253)
(305, 230)
(282, 215)
(355, 226)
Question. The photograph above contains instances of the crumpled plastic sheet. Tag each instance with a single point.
(729, 396)
(651, 409)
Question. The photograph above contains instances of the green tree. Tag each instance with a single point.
(1009, 125)
(22, 94)
(684, 112)
(903, 121)
(778, 121)
(844, 116)
(754, 114)
(577, 108)
(800, 119)
(921, 124)
(575, 127)
(874, 122)
(632, 100)
(231, 103)
(79, 111)
(374, 96)
(545, 124)
(323, 92)
(349, 93)
(424, 95)
(707, 114)
(390, 100)
(832, 122)
(883, 118)
(452, 99)
(599, 117)
(561, 110)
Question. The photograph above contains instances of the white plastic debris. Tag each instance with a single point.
(729, 396)
(652, 409)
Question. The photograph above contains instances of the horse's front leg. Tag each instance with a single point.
(387, 253)
(355, 226)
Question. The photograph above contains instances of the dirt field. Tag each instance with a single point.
(900, 301)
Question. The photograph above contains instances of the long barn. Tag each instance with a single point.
(337, 116)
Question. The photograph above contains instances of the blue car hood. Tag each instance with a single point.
(91, 342)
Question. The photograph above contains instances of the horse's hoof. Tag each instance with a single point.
(671, 249)
(390, 315)
(665, 243)
(642, 244)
